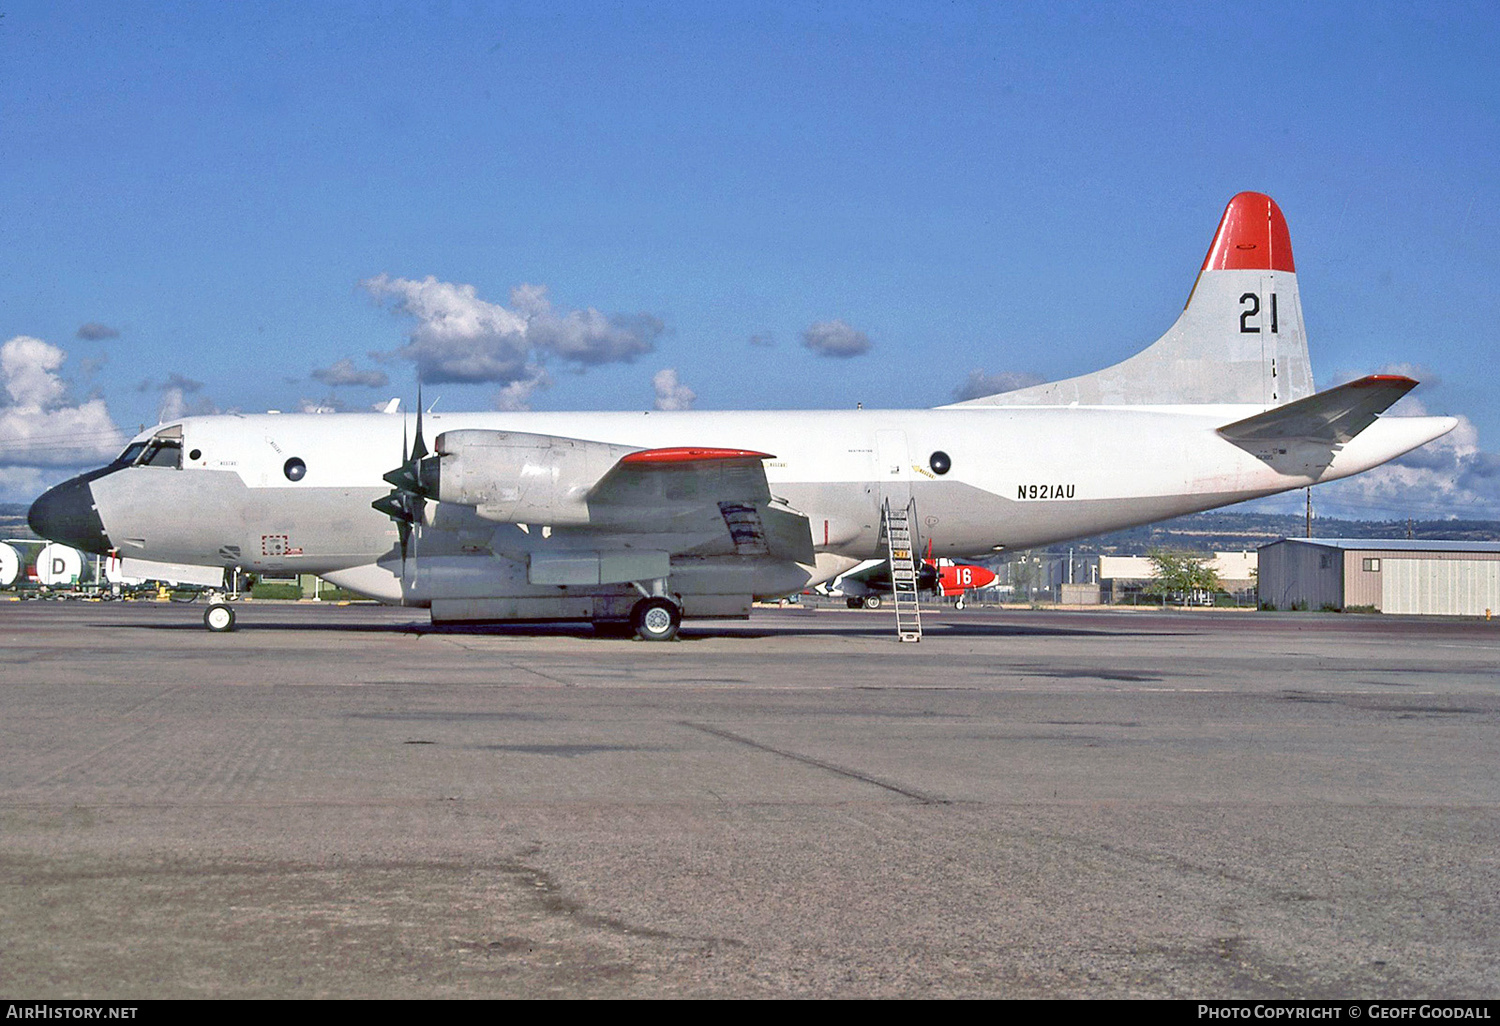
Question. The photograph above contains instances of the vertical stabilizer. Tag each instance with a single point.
(1240, 338)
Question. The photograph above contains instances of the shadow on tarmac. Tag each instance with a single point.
(249, 622)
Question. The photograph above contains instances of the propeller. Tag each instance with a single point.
(406, 504)
(929, 577)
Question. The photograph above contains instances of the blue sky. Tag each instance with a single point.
(240, 206)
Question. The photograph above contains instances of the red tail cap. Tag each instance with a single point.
(1252, 236)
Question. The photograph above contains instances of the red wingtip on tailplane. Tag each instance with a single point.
(1252, 236)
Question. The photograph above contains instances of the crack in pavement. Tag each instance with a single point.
(807, 760)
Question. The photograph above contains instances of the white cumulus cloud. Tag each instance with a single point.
(21, 484)
(460, 337)
(671, 393)
(41, 427)
(516, 396)
(29, 367)
(584, 336)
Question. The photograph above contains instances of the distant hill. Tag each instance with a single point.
(13, 520)
(1224, 531)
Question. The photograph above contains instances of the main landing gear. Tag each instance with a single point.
(656, 619)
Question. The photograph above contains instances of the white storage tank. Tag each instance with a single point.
(59, 566)
(10, 565)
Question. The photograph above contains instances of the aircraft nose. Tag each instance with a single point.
(67, 514)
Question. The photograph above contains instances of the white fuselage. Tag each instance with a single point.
(1017, 478)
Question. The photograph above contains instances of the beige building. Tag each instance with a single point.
(1454, 578)
(1122, 576)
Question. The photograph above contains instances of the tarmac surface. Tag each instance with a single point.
(346, 802)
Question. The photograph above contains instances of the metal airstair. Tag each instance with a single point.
(896, 525)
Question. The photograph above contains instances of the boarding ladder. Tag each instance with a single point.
(896, 525)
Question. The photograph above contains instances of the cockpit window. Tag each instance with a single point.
(129, 456)
(162, 452)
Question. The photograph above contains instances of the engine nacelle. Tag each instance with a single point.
(515, 477)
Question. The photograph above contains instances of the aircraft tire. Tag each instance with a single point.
(656, 619)
(218, 618)
(854, 603)
(872, 602)
(959, 604)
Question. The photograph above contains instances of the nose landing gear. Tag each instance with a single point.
(219, 616)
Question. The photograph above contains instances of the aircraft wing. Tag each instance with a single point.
(690, 491)
(1332, 417)
(672, 477)
(706, 501)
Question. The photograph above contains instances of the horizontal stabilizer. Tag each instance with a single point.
(1332, 417)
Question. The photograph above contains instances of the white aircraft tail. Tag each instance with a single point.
(1240, 338)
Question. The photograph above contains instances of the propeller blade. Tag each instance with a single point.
(391, 506)
(418, 446)
(407, 502)
(403, 477)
